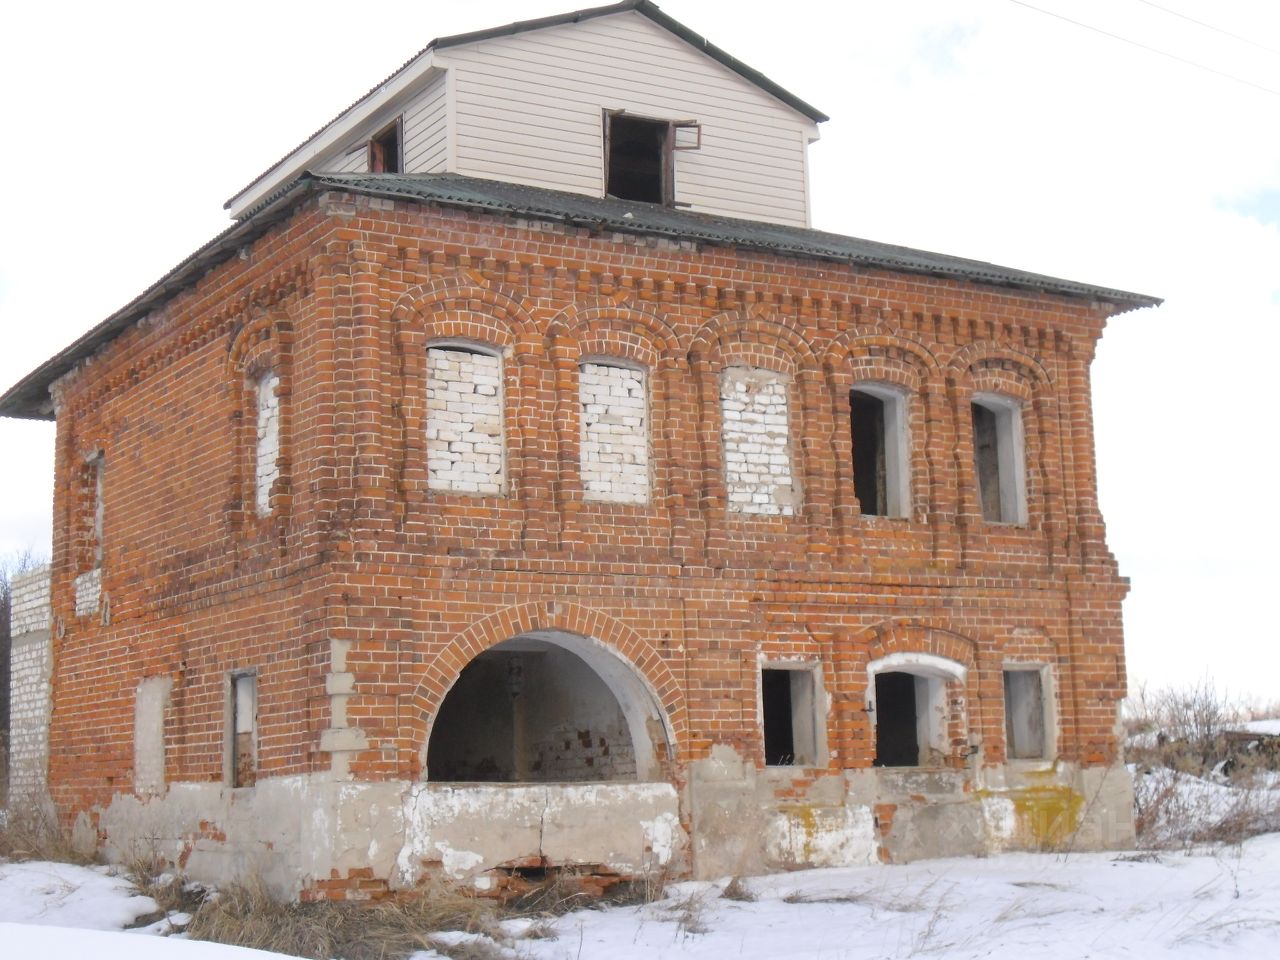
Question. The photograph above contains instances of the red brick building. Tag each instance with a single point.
(432, 521)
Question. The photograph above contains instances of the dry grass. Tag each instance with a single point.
(35, 834)
(736, 889)
(247, 915)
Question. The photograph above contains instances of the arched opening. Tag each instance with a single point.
(907, 698)
(548, 707)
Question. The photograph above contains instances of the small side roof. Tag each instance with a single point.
(29, 398)
(644, 7)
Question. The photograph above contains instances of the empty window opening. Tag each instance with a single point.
(244, 730)
(464, 420)
(880, 467)
(998, 459)
(384, 150)
(615, 434)
(910, 708)
(546, 707)
(267, 452)
(1024, 714)
(638, 158)
(787, 713)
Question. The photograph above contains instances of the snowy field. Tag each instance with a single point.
(1219, 903)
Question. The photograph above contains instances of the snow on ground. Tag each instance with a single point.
(65, 943)
(1261, 726)
(64, 895)
(1215, 904)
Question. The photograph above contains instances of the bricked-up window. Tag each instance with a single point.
(640, 155)
(267, 453)
(151, 701)
(881, 469)
(998, 458)
(464, 420)
(787, 713)
(615, 433)
(243, 724)
(1024, 713)
(386, 150)
(757, 444)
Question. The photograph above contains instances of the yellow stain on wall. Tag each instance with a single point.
(1047, 816)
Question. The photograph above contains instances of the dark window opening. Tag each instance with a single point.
(1024, 714)
(529, 711)
(897, 725)
(638, 159)
(244, 724)
(384, 150)
(787, 713)
(986, 459)
(870, 483)
(779, 740)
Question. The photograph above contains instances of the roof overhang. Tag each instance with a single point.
(30, 397)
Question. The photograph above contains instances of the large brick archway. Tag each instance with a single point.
(579, 628)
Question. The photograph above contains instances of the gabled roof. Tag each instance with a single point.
(644, 7)
(29, 398)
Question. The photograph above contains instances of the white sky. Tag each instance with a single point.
(979, 128)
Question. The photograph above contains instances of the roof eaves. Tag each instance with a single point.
(29, 399)
(897, 259)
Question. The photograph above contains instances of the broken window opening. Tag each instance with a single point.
(639, 157)
(1024, 714)
(385, 149)
(531, 710)
(244, 730)
(787, 715)
(880, 465)
(897, 742)
(998, 459)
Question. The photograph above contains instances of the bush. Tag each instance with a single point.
(1194, 782)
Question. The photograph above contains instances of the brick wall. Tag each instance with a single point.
(435, 501)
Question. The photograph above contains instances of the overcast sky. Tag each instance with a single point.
(981, 128)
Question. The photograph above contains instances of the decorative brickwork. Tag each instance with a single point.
(434, 502)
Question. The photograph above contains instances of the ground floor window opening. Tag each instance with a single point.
(910, 708)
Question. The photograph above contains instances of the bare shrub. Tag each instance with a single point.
(1196, 781)
(34, 833)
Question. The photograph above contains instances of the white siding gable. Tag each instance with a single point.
(529, 109)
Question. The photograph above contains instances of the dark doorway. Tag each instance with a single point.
(897, 729)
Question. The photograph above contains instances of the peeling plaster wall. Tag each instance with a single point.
(466, 829)
(303, 833)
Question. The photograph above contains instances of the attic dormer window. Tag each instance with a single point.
(384, 150)
(639, 155)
